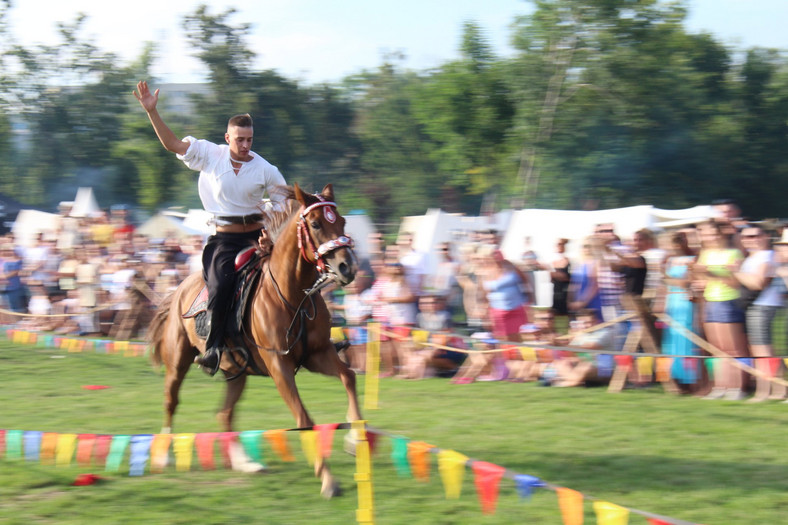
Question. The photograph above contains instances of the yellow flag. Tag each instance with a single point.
(159, 450)
(529, 354)
(451, 466)
(337, 333)
(571, 504)
(309, 445)
(645, 365)
(420, 336)
(66, 444)
(610, 514)
(183, 445)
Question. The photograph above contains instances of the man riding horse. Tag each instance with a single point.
(233, 181)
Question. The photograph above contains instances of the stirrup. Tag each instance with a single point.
(206, 360)
(342, 345)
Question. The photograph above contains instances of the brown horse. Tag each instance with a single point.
(310, 247)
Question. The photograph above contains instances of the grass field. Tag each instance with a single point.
(700, 461)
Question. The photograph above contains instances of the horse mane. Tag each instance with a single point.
(276, 219)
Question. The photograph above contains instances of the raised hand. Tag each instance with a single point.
(147, 99)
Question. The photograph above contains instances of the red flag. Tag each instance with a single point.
(488, 477)
(654, 521)
(226, 439)
(372, 439)
(204, 444)
(326, 438)
(85, 448)
(2, 443)
(101, 449)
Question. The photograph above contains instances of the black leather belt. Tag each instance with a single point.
(244, 219)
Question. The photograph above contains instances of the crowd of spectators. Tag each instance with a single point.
(724, 280)
(91, 276)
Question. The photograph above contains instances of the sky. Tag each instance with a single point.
(323, 41)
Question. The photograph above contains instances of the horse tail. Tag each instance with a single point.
(157, 327)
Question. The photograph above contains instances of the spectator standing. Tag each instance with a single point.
(10, 279)
(584, 291)
(724, 319)
(560, 276)
(756, 274)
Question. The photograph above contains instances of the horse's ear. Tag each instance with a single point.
(328, 192)
(299, 195)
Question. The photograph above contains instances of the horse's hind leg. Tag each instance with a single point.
(239, 460)
(177, 367)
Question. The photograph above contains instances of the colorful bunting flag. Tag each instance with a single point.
(487, 480)
(418, 455)
(32, 442)
(525, 484)
(326, 440)
(571, 504)
(309, 445)
(159, 452)
(48, 448)
(117, 450)
(527, 353)
(451, 466)
(226, 440)
(140, 452)
(85, 448)
(204, 444)
(183, 446)
(66, 444)
(663, 369)
(250, 439)
(278, 441)
(645, 365)
(399, 456)
(101, 449)
(13, 444)
(610, 514)
(2, 443)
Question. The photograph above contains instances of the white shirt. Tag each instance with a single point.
(222, 192)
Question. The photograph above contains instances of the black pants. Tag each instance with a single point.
(218, 271)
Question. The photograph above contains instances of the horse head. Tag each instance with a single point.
(321, 235)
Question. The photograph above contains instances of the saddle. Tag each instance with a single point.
(248, 269)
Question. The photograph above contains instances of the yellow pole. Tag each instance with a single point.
(365, 511)
(371, 378)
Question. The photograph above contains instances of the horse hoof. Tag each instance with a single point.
(331, 491)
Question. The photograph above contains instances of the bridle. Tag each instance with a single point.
(305, 241)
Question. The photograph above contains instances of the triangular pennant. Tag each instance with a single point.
(420, 336)
(32, 440)
(525, 484)
(655, 521)
(605, 365)
(418, 456)
(101, 449)
(309, 445)
(399, 456)
(85, 449)
(183, 446)
(204, 444)
(610, 513)
(66, 444)
(48, 447)
(13, 444)
(226, 440)
(140, 452)
(527, 353)
(117, 450)
(774, 365)
(2, 443)
(571, 504)
(451, 466)
(645, 365)
(663, 369)
(372, 439)
(278, 441)
(159, 452)
(250, 439)
(488, 477)
(326, 433)
(337, 333)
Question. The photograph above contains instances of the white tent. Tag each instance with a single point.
(85, 203)
(165, 225)
(29, 223)
(359, 227)
(539, 230)
(437, 226)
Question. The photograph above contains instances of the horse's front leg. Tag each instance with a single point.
(284, 379)
(329, 363)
